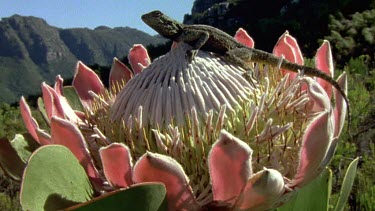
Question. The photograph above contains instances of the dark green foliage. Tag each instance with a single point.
(266, 20)
(10, 121)
(364, 200)
(8, 202)
(361, 83)
(14, 74)
(362, 194)
(354, 36)
(200, 6)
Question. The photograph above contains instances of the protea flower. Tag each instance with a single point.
(215, 139)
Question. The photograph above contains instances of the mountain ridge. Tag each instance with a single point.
(32, 51)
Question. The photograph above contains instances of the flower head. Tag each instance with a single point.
(214, 138)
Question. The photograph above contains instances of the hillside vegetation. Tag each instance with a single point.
(32, 51)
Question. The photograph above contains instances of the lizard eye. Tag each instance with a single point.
(158, 13)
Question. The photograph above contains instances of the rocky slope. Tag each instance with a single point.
(32, 51)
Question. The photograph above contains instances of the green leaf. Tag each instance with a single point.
(24, 145)
(54, 180)
(72, 97)
(10, 162)
(314, 196)
(347, 185)
(147, 196)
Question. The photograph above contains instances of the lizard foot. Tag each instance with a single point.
(249, 75)
(190, 55)
(249, 72)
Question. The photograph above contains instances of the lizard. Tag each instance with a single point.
(214, 40)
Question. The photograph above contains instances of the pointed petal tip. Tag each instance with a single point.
(288, 47)
(138, 55)
(59, 85)
(262, 190)
(30, 123)
(315, 145)
(117, 164)
(243, 37)
(119, 72)
(153, 167)
(340, 110)
(324, 63)
(85, 80)
(43, 137)
(229, 164)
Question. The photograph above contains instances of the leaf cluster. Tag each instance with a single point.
(354, 36)
(266, 20)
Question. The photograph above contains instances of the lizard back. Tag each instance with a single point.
(218, 41)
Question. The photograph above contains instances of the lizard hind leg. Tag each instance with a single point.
(231, 57)
(190, 55)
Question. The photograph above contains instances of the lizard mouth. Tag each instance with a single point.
(152, 17)
(162, 24)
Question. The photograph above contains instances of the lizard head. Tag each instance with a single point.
(164, 25)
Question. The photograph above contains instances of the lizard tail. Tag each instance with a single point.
(320, 74)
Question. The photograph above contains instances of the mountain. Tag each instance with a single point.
(32, 51)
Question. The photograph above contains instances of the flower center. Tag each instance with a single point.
(171, 87)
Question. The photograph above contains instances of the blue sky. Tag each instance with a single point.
(93, 13)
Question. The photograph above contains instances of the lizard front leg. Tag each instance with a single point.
(196, 39)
